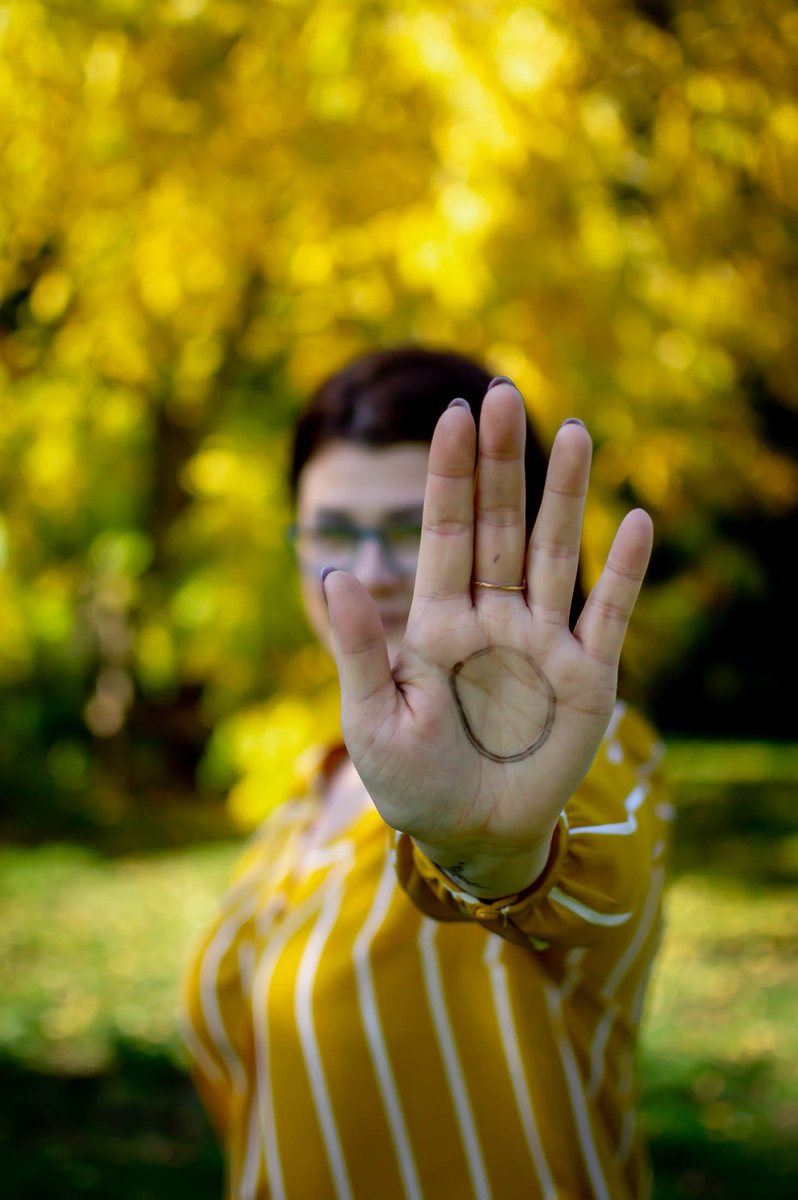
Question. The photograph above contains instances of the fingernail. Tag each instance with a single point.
(500, 379)
(325, 571)
(574, 421)
(459, 403)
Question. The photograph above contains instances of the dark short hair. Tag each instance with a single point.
(397, 395)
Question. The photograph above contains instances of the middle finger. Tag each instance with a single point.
(500, 534)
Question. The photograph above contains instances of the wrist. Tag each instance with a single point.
(490, 876)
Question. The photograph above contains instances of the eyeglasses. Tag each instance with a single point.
(337, 545)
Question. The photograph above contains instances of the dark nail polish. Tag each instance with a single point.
(574, 421)
(500, 379)
(325, 571)
(459, 402)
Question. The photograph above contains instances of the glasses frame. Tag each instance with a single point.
(361, 533)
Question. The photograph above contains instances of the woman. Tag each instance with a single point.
(427, 978)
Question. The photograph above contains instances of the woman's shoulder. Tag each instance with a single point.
(264, 843)
(631, 737)
(630, 757)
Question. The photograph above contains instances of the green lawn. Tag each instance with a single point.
(95, 1104)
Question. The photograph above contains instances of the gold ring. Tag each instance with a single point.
(501, 587)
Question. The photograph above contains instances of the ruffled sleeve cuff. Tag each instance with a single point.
(438, 896)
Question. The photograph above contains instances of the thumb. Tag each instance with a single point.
(361, 654)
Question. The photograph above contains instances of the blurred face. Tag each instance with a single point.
(346, 488)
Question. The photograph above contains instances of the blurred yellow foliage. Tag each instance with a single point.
(276, 748)
(204, 208)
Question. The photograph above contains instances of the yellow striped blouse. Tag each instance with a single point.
(359, 1028)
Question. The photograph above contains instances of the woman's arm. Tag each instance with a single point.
(489, 720)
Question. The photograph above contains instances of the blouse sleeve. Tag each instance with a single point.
(610, 837)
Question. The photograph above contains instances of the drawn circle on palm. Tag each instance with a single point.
(503, 698)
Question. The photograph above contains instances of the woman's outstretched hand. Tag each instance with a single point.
(494, 710)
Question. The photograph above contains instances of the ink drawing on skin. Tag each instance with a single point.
(503, 677)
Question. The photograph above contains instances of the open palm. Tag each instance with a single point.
(493, 711)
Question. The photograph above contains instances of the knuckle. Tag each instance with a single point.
(366, 646)
(446, 526)
(497, 454)
(626, 573)
(554, 549)
(500, 516)
(575, 492)
(551, 615)
(454, 473)
(607, 610)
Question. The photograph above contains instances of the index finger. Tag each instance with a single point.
(447, 532)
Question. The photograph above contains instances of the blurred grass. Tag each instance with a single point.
(94, 1101)
(692, 763)
(92, 1091)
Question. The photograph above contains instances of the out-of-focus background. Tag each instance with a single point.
(205, 206)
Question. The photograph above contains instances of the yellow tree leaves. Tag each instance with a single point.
(205, 207)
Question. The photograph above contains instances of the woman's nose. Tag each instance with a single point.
(372, 564)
